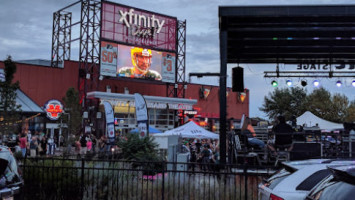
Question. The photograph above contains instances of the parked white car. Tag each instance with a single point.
(339, 185)
(296, 179)
(10, 179)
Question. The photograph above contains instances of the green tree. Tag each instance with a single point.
(9, 111)
(287, 101)
(73, 116)
(350, 115)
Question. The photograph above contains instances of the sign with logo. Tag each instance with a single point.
(54, 109)
(138, 27)
(141, 115)
(108, 59)
(110, 121)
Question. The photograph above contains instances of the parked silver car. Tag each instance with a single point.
(295, 180)
(11, 181)
(339, 185)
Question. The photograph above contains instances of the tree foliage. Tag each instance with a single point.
(73, 108)
(320, 102)
(286, 101)
(137, 149)
(9, 111)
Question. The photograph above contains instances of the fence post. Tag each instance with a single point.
(163, 181)
(82, 177)
(245, 182)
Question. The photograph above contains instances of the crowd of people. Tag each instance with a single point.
(204, 152)
(34, 144)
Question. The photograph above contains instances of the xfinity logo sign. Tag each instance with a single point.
(130, 18)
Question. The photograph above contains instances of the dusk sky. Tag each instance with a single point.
(26, 33)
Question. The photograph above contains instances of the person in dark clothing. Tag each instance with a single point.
(283, 135)
(205, 156)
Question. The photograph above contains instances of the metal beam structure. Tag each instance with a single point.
(308, 74)
(178, 89)
(89, 58)
(61, 37)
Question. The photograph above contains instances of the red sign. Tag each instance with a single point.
(53, 109)
(137, 27)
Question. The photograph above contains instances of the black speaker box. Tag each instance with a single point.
(237, 79)
(303, 151)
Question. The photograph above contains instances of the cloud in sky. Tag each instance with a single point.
(26, 33)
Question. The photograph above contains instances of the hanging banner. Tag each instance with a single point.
(110, 120)
(142, 115)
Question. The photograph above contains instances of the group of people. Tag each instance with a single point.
(34, 145)
(89, 144)
(205, 152)
(282, 136)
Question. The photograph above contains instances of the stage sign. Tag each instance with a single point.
(137, 27)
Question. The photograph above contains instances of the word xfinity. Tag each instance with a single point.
(129, 18)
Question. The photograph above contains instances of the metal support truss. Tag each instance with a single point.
(178, 89)
(61, 37)
(309, 74)
(89, 57)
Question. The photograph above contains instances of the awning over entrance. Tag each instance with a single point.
(152, 101)
(27, 105)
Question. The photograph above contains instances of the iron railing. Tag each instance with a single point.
(58, 178)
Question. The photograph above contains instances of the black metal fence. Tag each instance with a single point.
(58, 178)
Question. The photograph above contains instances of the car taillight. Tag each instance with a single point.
(274, 197)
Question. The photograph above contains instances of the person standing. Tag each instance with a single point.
(89, 145)
(43, 145)
(23, 144)
(83, 147)
(33, 146)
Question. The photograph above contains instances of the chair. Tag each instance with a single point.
(283, 143)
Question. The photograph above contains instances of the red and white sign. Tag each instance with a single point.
(137, 27)
(54, 109)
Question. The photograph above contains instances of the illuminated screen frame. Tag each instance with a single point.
(118, 60)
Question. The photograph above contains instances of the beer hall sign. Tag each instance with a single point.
(53, 109)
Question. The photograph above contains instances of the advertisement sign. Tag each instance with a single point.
(141, 115)
(108, 59)
(54, 109)
(136, 62)
(110, 120)
(141, 107)
(137, 27)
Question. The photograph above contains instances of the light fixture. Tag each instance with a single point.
(304, 83)
(88, 76)
(315, 83)
(101, 77)
(338, 83)
(289, 83)
(353, 83)
(274, 83)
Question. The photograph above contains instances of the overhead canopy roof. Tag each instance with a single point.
(289, 34)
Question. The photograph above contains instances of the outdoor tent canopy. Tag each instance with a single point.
(190, 130)
(151, 130)
(310, 119)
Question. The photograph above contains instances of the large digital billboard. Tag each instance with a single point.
(137, 27)
(135, 62)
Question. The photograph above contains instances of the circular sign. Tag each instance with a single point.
(54, 109)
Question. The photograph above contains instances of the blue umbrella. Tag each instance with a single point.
(151, 130)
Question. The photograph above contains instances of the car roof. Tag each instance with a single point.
(296, 165)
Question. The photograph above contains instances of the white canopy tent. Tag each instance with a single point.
(310, 120)
(190, 130)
